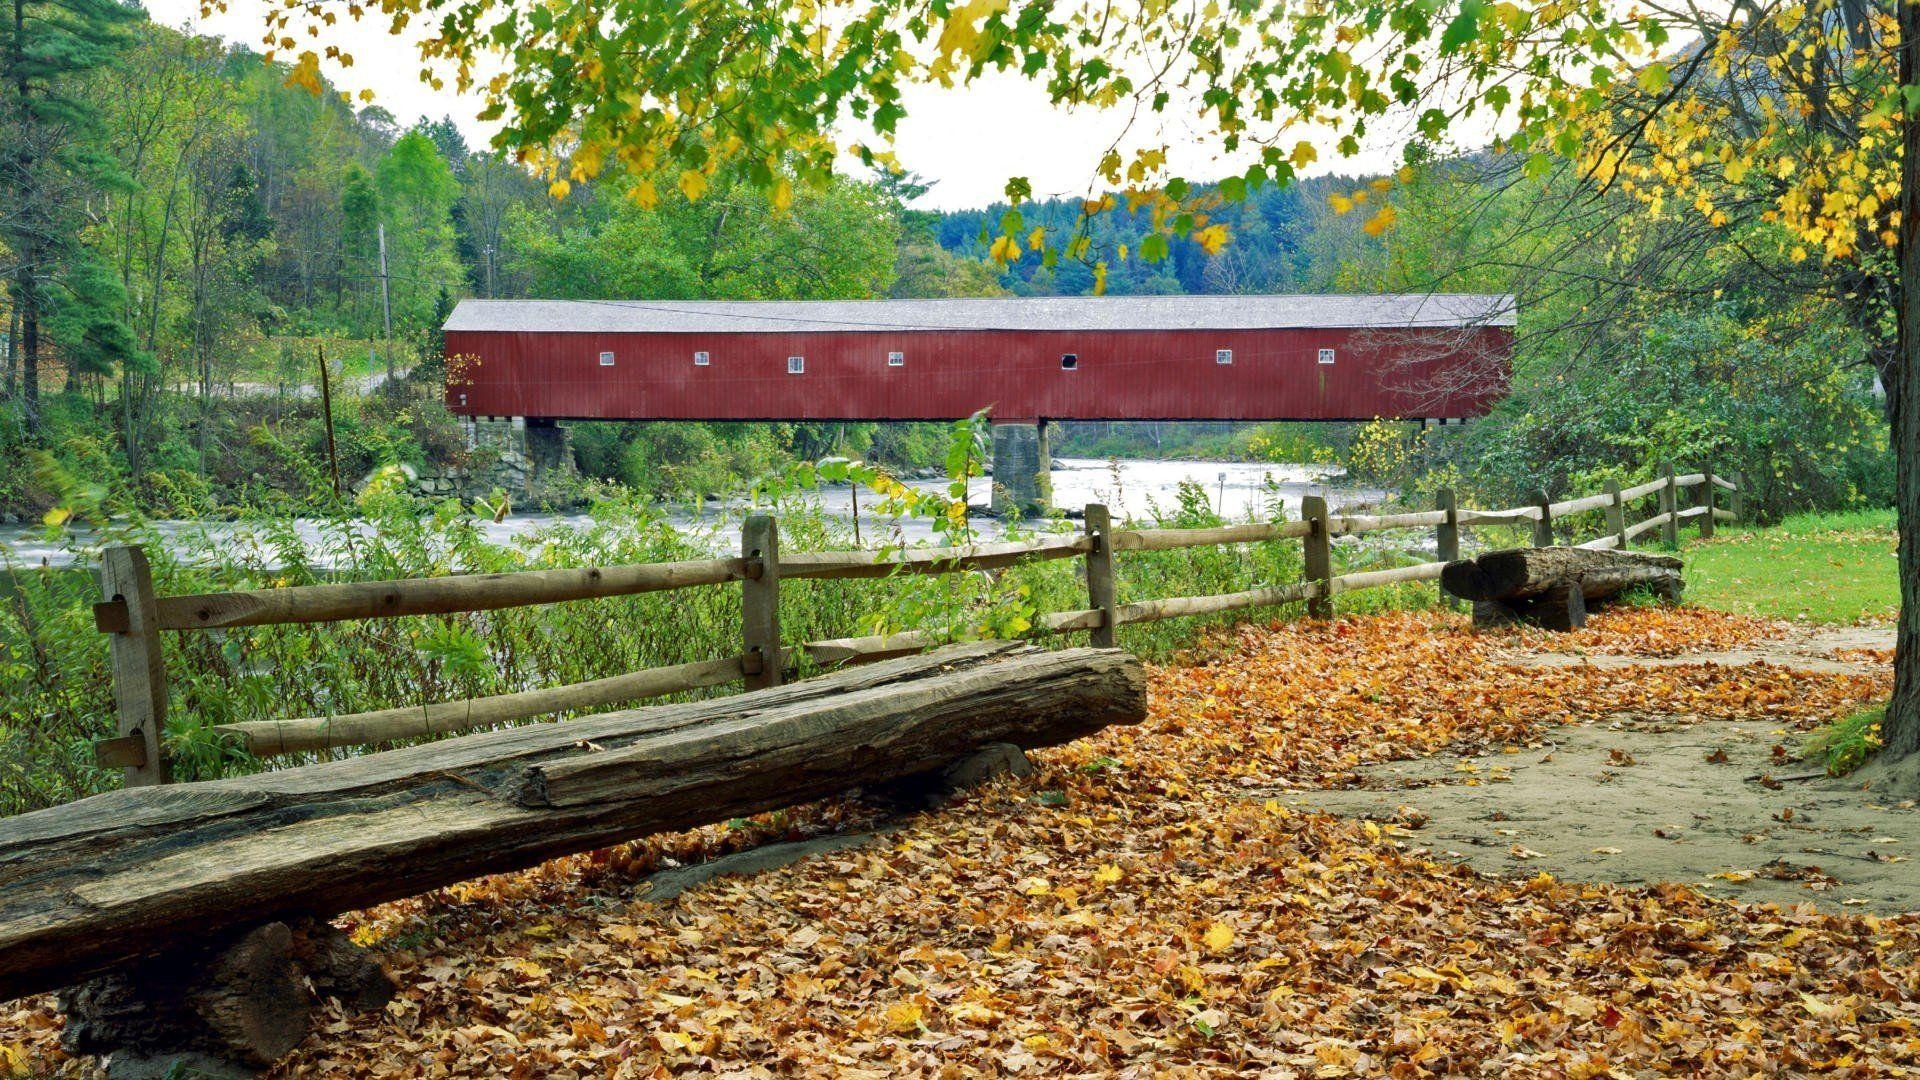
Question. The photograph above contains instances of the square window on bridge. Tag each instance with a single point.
(606, 359)
(1223, 356)
(1069, 361)
(896, 359)
(1326, 356)
(796, 365)
(701, 359)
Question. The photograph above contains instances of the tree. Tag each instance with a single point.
(359, 240)
(417, 196)
(838, 244)
(47, 166)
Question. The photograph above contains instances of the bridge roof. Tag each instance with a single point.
(1014, 313)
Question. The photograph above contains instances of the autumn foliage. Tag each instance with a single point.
(1145, 905)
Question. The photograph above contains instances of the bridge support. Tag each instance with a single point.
(1022, 483)
(530, 459)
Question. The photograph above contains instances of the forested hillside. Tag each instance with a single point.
(187, 231)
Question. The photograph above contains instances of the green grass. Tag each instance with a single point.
(1847, 743)
(1823, 568)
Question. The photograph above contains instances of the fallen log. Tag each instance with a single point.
(1514, 573)
(1554, 586)
(91, 885)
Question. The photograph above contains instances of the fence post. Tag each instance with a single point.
(138, 670)
(1318, 562)
(1100, 588)
(1616, 514)
(1670, 506)
(1542, 525)
(1739, 500)
(760, 601)
(1446, 535)
(1707, 500)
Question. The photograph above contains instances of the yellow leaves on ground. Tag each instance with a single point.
(1145, 905)
(1218, 938)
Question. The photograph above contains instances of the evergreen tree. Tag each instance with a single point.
(51, 160)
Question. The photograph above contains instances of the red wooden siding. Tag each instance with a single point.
(1121, 374)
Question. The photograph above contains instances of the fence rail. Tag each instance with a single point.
(134, 616)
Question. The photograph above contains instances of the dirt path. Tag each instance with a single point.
(1719, 805)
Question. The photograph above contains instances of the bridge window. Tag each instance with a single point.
(606, 359)
(701, 359)
(896, 359)
(1223, 356)
(1326, 356)
(796, 365)
(1069, 361)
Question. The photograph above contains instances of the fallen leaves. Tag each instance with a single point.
(1162, 913)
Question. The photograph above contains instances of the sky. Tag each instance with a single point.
(968, 140)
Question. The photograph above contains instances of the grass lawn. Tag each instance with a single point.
(1825, 568)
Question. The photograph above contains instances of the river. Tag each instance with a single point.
(1131, 488)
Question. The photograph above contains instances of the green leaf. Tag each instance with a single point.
(1654, 78)
(1463, 29)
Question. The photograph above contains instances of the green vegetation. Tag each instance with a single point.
(1823, 568)
(1846, 744)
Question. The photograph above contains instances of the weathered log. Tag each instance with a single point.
(224, 1008)
(1517, 573)
(1562, 607)
(91, 885)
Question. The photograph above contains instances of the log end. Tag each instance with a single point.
(229, 1009)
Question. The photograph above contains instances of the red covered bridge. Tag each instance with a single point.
(1427, 356)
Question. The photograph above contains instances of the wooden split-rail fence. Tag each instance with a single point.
(135, 617)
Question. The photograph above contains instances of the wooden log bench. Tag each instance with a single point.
(1553, 587)
(192, 916)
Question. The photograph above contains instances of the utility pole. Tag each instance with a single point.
(386, 301)
(487, 256)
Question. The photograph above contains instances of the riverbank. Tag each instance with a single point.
(1131, 489)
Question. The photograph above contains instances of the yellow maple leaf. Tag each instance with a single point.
(904, 1017)
(1218, 937)
(305, 72)
(1381, 221)
(1106, 875)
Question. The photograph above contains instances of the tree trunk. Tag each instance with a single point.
(1900, 731)
(87, 886)
(30, 359)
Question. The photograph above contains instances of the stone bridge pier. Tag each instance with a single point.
(1022, 485)
(530, 459)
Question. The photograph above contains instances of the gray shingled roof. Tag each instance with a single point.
(995, 313)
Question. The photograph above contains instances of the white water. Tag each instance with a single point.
(1131, 488)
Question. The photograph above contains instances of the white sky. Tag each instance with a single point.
(969, 140)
